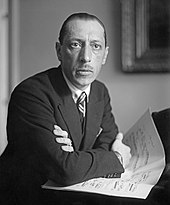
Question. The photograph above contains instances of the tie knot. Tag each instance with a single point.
(81, 98)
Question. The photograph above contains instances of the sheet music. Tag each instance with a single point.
(143, 172)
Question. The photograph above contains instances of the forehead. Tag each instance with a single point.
(79, 28)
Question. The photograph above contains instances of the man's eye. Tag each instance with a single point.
(96, 46)
(75, 45)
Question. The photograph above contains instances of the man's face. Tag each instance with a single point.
(83, 52)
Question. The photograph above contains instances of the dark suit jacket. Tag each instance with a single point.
(33, 156)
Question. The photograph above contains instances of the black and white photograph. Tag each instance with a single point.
(84, 102)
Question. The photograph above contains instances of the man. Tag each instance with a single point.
(50, 135)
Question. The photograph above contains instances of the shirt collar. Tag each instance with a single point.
(75, 91)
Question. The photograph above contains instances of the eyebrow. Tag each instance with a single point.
(82, 40)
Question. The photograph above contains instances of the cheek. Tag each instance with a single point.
(98, 60)
(65, 55)
(99, 56)
(69, 58)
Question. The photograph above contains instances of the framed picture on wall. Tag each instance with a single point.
(145, 35)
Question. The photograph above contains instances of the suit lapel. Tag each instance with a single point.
(70, 115)
(66, 106)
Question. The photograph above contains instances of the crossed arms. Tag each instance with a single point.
(121, 150)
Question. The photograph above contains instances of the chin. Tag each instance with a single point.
(82, 85)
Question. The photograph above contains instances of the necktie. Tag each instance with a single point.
(81, 105)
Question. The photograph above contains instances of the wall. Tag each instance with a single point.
(3, 71)
(131, 94)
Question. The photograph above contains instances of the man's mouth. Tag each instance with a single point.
(84, 72)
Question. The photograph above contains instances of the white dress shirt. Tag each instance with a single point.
(75, 91)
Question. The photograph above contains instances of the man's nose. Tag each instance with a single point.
(85, 54)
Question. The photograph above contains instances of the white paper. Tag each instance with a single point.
(143, 172)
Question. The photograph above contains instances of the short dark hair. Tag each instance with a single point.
(83, 16)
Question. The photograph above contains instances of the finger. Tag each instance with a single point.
(130, 156)
(65, 134)
(60, 133)
(126, 160)
(126, 163)
(128, 149)
(67, 148)
(119, 136)
(117, 145)
(57, 127)
(62, 140)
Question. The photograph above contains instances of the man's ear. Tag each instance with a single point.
(105, 55)
(58, 50)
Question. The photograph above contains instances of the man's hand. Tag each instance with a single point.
(121, 149)
(62, 138)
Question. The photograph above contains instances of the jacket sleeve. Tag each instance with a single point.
(29, 127)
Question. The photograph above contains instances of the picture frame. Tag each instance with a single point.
(141, 51)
